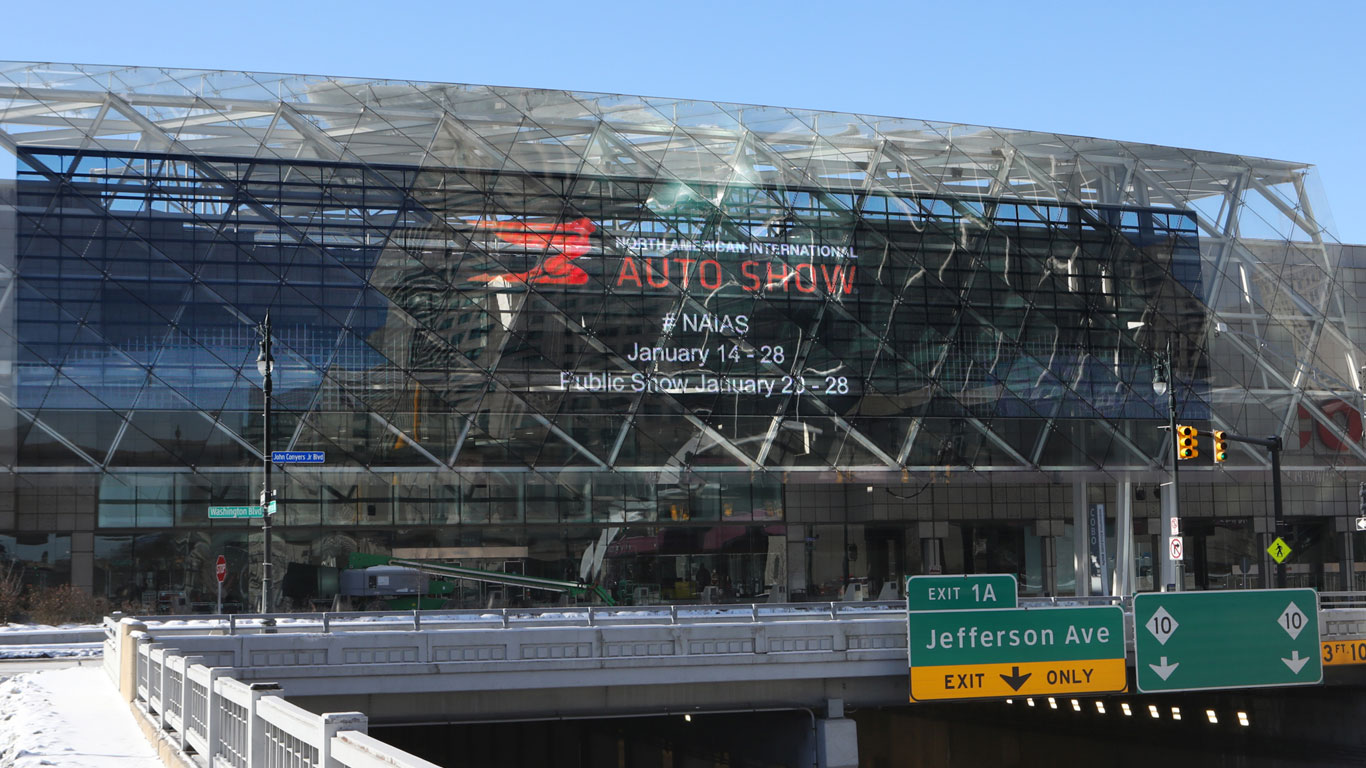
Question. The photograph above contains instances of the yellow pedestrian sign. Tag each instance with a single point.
(1279, 550)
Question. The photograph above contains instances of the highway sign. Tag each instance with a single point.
(226, 512)
(1187, 641)
(1279, 550)
(1340, 652)
(974, 654)
(298, 457)
(220, 569)
(945, 593)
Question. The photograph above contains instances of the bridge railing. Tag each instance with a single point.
(231, 724)
(582, 616)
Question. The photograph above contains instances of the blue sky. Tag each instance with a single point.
(1274, 79)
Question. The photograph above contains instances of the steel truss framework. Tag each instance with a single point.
(1272, 344)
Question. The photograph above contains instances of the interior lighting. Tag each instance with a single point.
(1010, 701)
(1100, 707)
(1176, 713)
(1076, 705)
(687, 718)
(1213, 718)
(1124, 707)
(1052, 703)
(1030, 702)
(1152, 710)
(1242, 719)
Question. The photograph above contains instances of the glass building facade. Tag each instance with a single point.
(667, 344)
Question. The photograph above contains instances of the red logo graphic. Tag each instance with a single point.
(567, 242)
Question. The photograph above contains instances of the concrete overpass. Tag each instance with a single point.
(471, 666)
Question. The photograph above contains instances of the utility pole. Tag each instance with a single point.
(1273, 446)
(1164, 383)
(265, 365)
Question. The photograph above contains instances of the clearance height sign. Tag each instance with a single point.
(975, 654)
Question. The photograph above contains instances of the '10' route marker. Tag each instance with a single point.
(1189, 641)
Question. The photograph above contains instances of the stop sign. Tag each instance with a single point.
(220, 569)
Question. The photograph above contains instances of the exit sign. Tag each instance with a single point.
(962, 591)
(999, 653)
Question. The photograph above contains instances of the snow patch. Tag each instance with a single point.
(69, 718)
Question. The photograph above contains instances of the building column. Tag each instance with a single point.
(1048, 532)
(1125, 577)
(83, 561)
(1081, 536)
(1346, 528)
(1264, 533)
(836, 739)
(932, 535)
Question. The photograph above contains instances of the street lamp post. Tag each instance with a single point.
(265, 365)
(1164, 383)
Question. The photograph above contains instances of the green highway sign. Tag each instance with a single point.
(216, 513)
(943, 593)
(974, 654)
(1188, 641)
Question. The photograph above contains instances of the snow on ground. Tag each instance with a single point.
(68, 718)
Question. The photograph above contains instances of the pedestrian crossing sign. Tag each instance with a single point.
(1279, 550)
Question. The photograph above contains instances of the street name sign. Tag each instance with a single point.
(957, 592)
(977, 654)
(298, 457)
(1190, 641)
(216, 513)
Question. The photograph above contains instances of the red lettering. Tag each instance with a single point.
(778, 280)
(809, 286)
(752, 282)
(1332, 409)
(686, 265)
(650, 273)
(628, 265)
(715, 281)
(832, 279)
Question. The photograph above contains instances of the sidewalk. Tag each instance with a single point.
(68, 718)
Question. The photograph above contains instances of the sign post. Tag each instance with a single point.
(220, 572)
(1254, 638)
(975, 654)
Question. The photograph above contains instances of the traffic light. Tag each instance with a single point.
(1220, 447)
(1187, 444)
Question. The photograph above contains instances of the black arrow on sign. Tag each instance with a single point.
(1015, 680)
